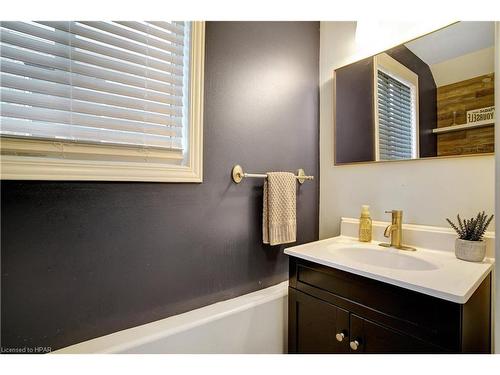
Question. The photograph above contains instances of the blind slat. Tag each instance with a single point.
(72, 92)
(395, 144)
(174, 44)
(151, 29)
(67, 65)
(395, 103)
(72, 105)
(401, 138)
(75, 54)
(395, 118)
(68, 39)
(389, 83)
(394, 124)
(108, 39)
(63, 132)
(174, 27)
(78, 80)
(82, 119)
(391, 93)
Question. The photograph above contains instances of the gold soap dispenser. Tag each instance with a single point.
(365, 224)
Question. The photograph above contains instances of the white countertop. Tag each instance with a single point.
(432, 272)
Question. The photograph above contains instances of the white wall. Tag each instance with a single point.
(464, 67)
(427, 190)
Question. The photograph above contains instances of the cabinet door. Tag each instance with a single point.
(316, 326)
(369, 337)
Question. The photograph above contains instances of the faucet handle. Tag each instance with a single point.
(395, 212)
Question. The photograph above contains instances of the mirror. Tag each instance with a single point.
(430, 97)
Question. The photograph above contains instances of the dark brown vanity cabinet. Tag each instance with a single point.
(318, 325)
(332, 311)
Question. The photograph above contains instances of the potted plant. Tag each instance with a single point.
(469, 245)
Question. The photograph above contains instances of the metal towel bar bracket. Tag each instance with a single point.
(238, 175)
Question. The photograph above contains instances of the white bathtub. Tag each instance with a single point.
(252, 323)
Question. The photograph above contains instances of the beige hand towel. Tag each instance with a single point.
(279, 217)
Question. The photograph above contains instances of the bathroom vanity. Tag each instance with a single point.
(349, 297)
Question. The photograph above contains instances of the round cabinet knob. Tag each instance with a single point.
(354, 344)
(340, 336)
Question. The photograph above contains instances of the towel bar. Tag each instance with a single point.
(238, 175)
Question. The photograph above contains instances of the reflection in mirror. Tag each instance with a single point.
(432, 96)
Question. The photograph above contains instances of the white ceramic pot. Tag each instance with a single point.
(471, 251)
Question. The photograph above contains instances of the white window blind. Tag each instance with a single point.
(396, 124)
(103, 83)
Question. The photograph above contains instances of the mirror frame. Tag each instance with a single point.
(336, 164)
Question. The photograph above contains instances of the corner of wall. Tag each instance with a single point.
(496, 286)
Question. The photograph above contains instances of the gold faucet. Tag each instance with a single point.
(395, 232)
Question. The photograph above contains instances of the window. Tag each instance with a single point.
(102, 100)
(396, 113)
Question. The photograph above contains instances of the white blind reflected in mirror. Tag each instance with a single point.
(395, 119)
(116, 83)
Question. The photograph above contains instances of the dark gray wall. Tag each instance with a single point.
(354, 122)
(84, 259)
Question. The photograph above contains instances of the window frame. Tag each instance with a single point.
(398, 71)
(22, 167)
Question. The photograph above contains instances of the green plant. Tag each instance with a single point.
(472, 229)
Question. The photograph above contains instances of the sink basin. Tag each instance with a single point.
(433, 271)
(387, 258)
